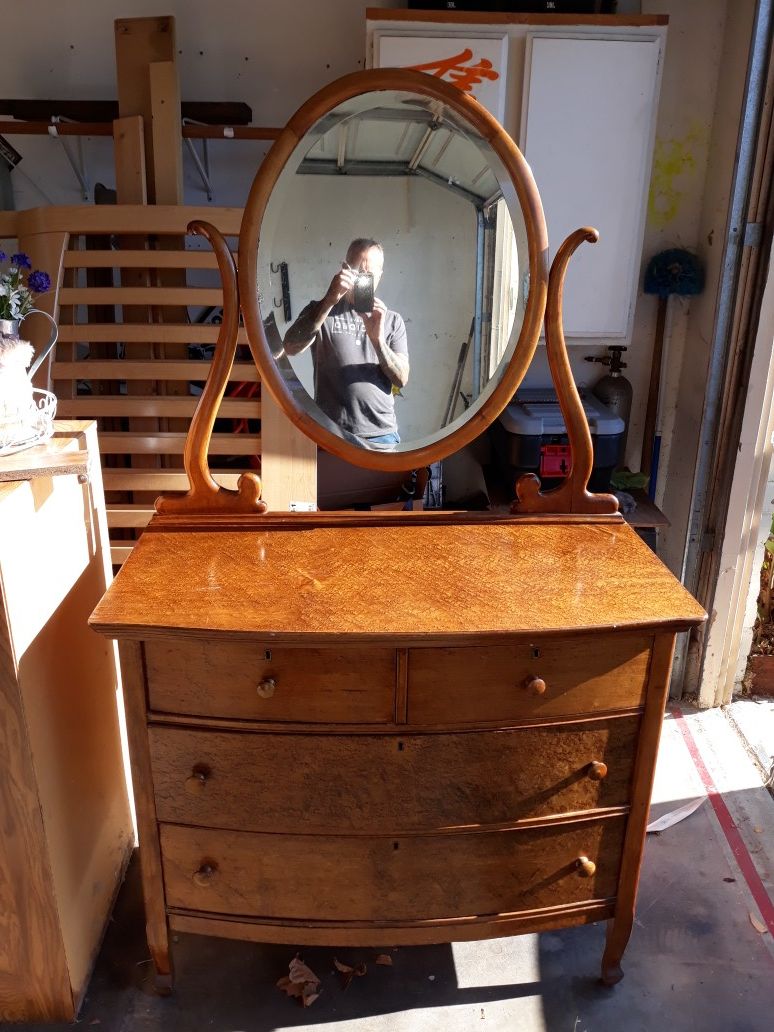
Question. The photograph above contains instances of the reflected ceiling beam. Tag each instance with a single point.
(386, 168)
(416, 157)
(342, 152)
(410, 115)
(449, 184)
(442, 149)
(492, 199)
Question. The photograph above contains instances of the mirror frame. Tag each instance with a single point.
(515, 165)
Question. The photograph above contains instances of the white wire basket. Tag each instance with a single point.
(28, 425)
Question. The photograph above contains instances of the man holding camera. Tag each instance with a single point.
(359, 348)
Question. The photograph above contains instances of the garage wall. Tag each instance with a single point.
(272, 56)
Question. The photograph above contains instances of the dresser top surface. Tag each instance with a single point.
(295, 577)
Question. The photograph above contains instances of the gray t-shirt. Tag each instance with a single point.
(350, 386)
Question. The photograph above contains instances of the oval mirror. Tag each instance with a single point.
(393, 269)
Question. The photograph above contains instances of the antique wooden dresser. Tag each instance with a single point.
(394, 732)
(385, 729)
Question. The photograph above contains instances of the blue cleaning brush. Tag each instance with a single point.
(669, 273)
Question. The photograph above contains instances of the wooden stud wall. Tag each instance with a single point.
(99, 364)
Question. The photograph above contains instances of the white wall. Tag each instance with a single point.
(267, 54)
(429, 238)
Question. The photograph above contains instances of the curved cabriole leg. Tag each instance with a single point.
(618, 932)
(572, 495)
(205, 495)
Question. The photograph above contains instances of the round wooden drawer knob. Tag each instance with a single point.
(197, 782)
(203, 877)
(536, 685)
(267, 687)
(586, 867)
(597, 770)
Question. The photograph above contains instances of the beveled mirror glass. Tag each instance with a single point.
(405, 179)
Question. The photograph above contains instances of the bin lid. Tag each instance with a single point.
(535, 412)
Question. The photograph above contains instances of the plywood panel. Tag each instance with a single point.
(63, 800)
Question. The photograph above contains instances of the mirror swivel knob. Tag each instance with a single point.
(586, 868)
(597, 770)
(536, 685)
(206, 872)
(266, 687)
(196, 782)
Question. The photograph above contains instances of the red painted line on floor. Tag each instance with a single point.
(762, 899)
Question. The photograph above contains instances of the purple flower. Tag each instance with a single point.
(3, 256)
(39, 282)
(21, 260)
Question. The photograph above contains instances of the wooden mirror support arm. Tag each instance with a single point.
(572, 495)
(205, 495)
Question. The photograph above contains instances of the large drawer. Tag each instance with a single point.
(250, 681)
(555, 678)
(382, 783)
(355, 878)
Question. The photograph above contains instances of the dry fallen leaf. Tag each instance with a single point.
(291, 988)
(675, 816)
(299, 972)
(385, 959)
(757, 924)
(309, 995)
(301, 982)
(348, 972)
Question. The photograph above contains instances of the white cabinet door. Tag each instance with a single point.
(587, 132)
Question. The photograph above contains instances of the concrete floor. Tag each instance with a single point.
(695, 960)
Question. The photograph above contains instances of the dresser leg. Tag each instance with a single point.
(618, 932)
(163, 975)
(163, 983)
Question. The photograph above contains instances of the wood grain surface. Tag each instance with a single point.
(388, 879)
(472, 17)
(65, 827)
(347, 685)
(489, 683)
(156, 929)
(572, 494)
(34, 982)
(620, 928)
(327, 784)
(452, 583)
(375, 934)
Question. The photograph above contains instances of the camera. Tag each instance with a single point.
(363, 292)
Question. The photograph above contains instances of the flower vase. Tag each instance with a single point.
(15, 383)
(26, 413)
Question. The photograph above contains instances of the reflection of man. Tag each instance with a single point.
(358, 358)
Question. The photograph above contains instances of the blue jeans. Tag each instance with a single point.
(384, 439)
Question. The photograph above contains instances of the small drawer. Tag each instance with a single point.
(389, 783)
(249, 681)
(554, 678)
(413, 878)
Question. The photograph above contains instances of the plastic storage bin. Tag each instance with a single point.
(530, 437)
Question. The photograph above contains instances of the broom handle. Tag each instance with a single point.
(649, 431)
